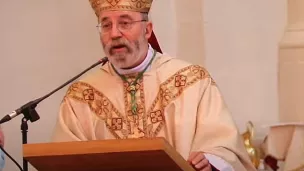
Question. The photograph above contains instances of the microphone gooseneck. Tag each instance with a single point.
(29, 108)
(30, 113)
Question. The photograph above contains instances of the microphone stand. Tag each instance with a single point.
(30, 113)
(24, 128)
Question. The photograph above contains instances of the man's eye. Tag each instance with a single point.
(106, 25)
(125, 23)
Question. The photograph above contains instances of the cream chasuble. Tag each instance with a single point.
(174, 100)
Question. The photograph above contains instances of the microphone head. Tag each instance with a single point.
(104, 60)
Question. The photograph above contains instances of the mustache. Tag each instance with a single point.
(119, 44)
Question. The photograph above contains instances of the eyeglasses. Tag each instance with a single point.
(121, 26)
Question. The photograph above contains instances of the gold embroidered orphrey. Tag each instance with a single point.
(144, 124)
(126, 5)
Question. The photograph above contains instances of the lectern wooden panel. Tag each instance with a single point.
(107, 155)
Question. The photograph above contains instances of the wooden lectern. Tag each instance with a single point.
(107, 155)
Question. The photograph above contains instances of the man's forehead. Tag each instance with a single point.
(118, 14)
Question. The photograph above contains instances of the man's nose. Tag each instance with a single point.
(115, 32)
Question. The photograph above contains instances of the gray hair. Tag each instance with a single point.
(145, 16)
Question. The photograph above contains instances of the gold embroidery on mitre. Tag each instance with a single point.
(123, 5)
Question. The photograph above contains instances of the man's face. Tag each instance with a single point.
(124, 37)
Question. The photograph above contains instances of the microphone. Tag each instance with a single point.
(31, 114)
(29, 108)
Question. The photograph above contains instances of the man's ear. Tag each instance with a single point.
(148, 30)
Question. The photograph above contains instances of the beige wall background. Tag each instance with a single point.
(44, 43)
(241, 42)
